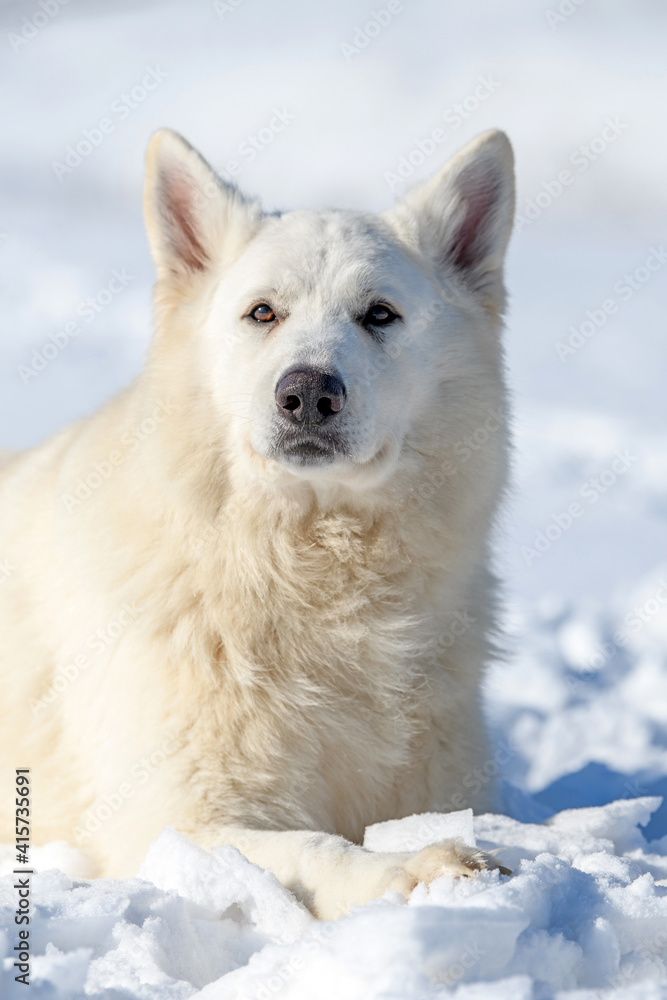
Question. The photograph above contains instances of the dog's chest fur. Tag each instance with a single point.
(317, 687)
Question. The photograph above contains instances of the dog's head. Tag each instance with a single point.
(329, 343)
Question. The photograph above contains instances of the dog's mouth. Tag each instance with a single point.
(307, 449)
(306, 452)
(327, 456)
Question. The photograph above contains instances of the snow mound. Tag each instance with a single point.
(584, 915)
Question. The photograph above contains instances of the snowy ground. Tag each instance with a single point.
(584, 908)
(578, 713)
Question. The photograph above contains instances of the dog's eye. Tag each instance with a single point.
(379, 315)
(262, 313)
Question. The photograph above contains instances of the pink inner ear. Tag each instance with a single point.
(176, 192)
(471, 240)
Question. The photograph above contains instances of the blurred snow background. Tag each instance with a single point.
(582, 700)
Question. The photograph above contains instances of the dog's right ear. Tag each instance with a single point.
(194, 219)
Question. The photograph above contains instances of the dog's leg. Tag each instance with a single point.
(330, 875)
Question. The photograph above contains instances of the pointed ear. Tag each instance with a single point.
(193, 218)
(462, 217)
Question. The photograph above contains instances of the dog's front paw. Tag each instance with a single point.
(450, 857)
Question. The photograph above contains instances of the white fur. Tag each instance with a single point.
(282, 659)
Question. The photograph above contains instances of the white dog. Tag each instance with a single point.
(250, 598)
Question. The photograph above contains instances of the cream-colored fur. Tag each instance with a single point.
(252, 646)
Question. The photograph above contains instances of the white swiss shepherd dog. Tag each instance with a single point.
(251, 597)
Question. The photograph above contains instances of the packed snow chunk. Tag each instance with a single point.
(616, 822)
(612, 870)
(415, 832)
(512, 841)
(224, 883)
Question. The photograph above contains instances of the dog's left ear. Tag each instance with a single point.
(194, 219)
(462, 217)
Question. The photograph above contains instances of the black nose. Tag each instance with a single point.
(308, 396)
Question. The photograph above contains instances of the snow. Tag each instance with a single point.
(585, 908)
(578, 709)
